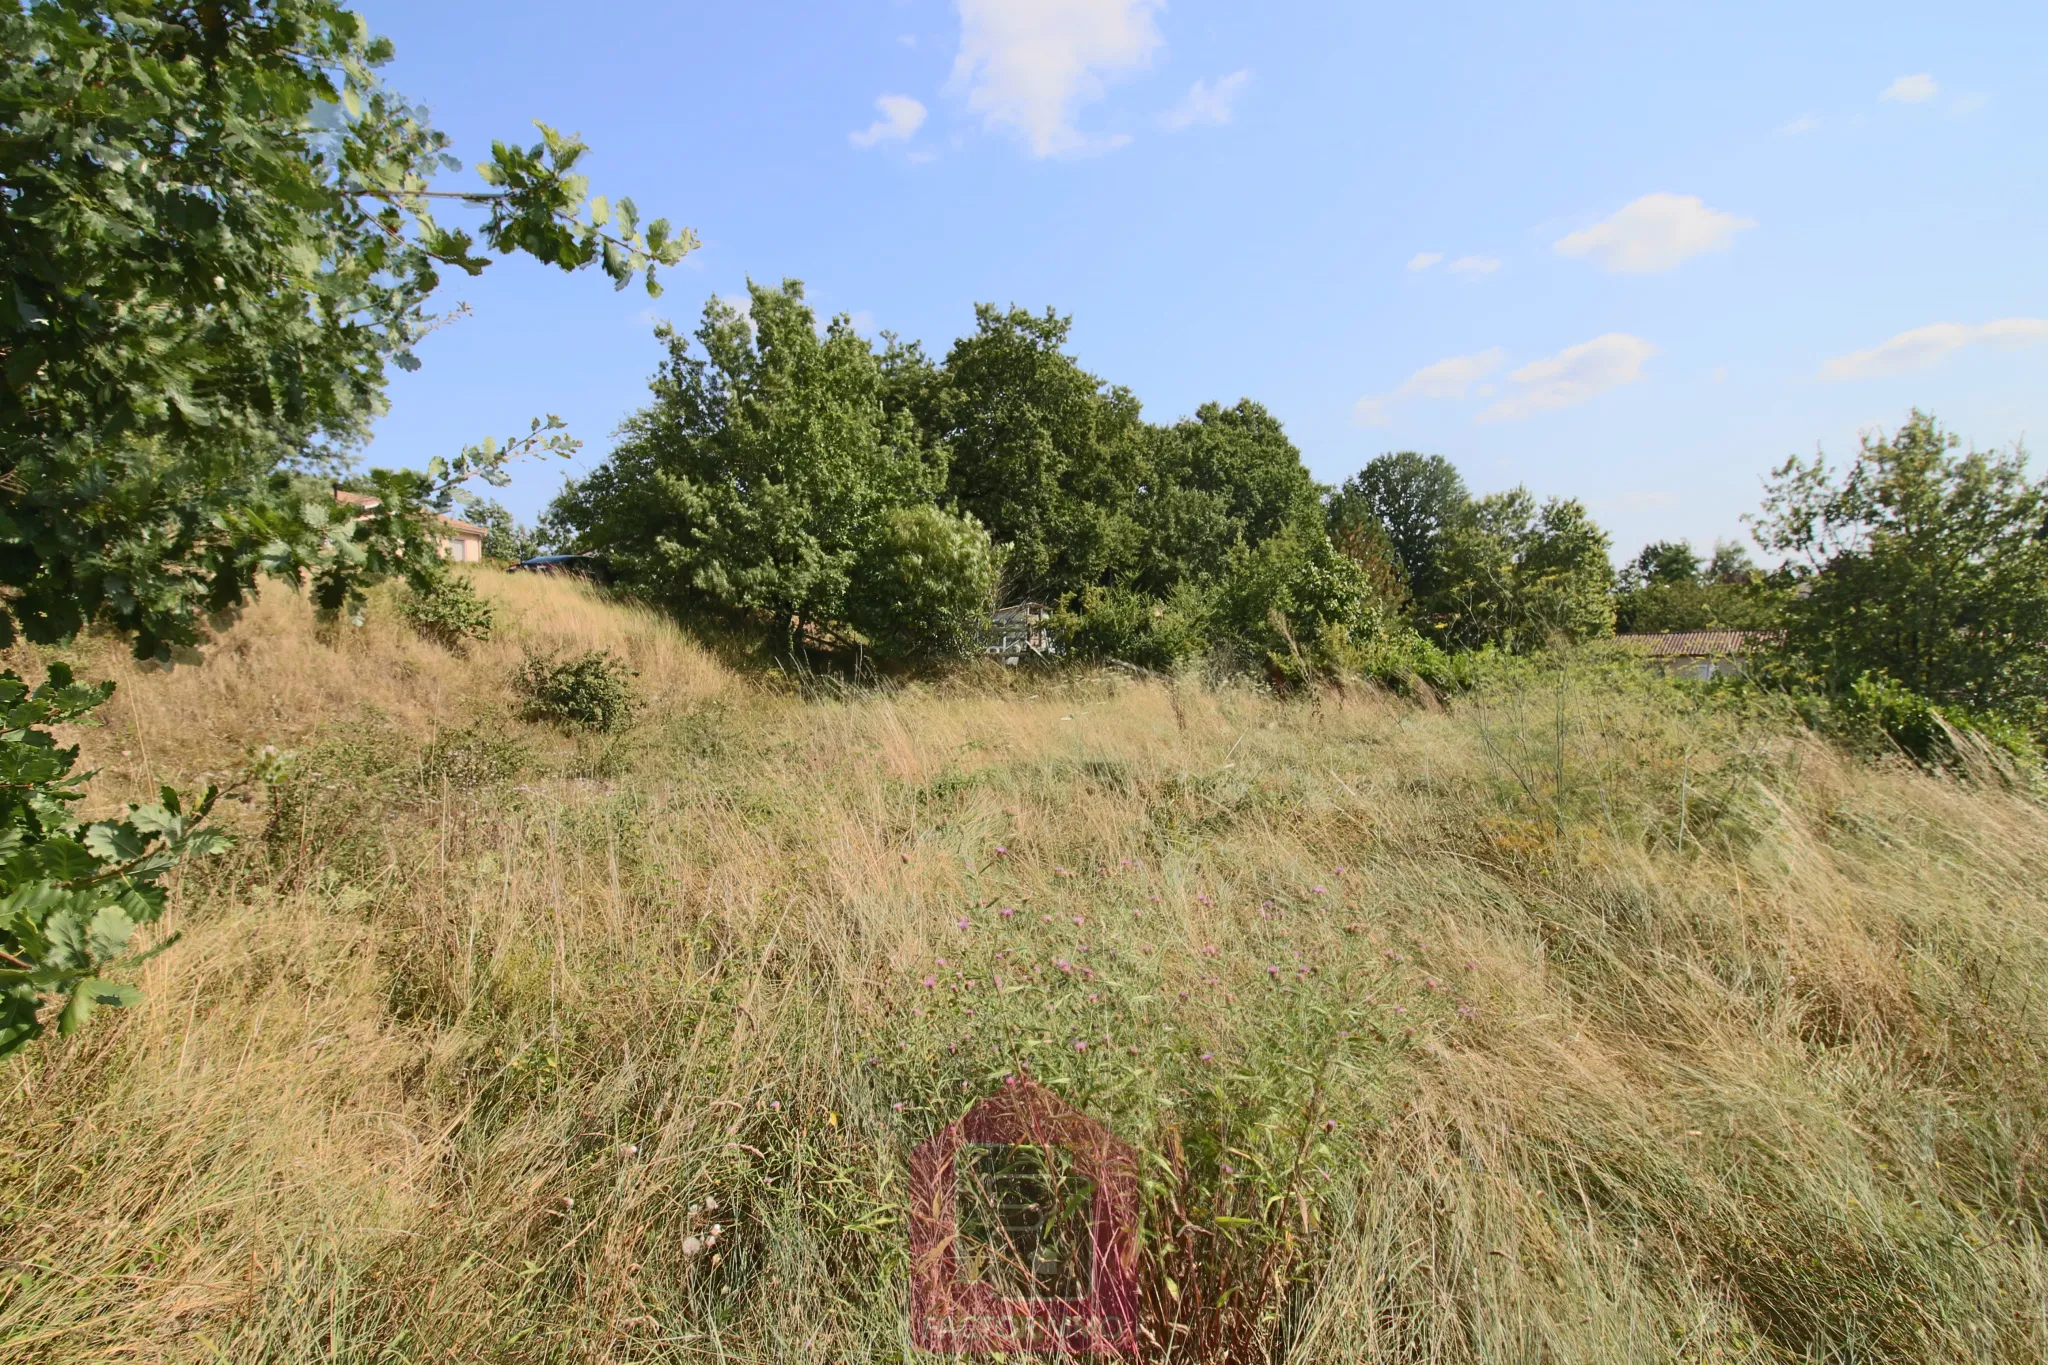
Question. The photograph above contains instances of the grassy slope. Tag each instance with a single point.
(477, 1012)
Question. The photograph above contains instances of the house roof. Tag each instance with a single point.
(365, 501)
(1698, 644)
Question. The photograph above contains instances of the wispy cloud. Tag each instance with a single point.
(1451, 377)
(1204, 103)
(1572, 376)
(1923, 346)
(1805, 123)
(1916, 89)
(1423, 260)
(1473, 265)
(1656, 232)
(901, 117)
(1027, 66)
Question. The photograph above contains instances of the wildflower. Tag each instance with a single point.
(692, 1245)
(1318, 891)
(931, 983)
(1153, 899)
(965, 923)
(1183, 995)
(1340, 872)
(1063, 965)
(1007, 911)
(1208, 1056)
(1471, 966)
(1273, 971)
(775, 1105)
(1002, 852)
(1092, 997)
(1080, 1045)
(898, 1106)
(1204, 899)
(1329, 1125)
(629, 1151)
(942, 962)
(1465, 1011)
(1208, 950)
(1226, 1168)
(1080, 920)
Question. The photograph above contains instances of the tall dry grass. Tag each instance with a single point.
(1579, 1022)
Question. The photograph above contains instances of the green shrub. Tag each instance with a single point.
(1134, 628)
(592, 691)
(450, 611)
(1879, 714)
(925, 585)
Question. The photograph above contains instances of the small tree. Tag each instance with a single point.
(1919, 564)
(1413, 500)
(1520, 577)
(926, 584)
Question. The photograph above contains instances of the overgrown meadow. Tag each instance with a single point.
(1589, 1019)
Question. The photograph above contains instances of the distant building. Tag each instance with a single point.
(460, 541)
(1700, 654)
(1019, 630)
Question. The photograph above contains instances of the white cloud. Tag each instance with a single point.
(1573, 375)
(1656, 232)
(1423, 260)
(1968, 104)
(1451, 377)
(1911, 89)
(1029, 65)
(1805, 123)
(1206, 103)
(1473, 265)
(1923, 346)
(901, 117)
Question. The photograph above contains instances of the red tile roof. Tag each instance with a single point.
(1699, 644)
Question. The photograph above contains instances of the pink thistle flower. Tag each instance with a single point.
(941, 961)
(1007, 911)
(1208, 950)
(965, 923)
(1465, 1011)
(931, 983)
(1080, 1045)
(1208, 1056)
(1273, 971)
(898, 1106)
(1002, 852)
(1226, 1168)
(1063, 965)
(1329, 1125)
(1183, 995)
(1319, 891)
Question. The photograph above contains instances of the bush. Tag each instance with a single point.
(450, 611)
(1878, 714)
(1134, 628)
(592, 691)
(925, 585)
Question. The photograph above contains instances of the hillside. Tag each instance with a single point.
(1576, 1022)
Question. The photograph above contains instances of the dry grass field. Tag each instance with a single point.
(1581, 1021)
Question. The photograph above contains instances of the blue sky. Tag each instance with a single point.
(1629, 253)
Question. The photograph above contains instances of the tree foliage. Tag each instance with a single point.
(1521, 577)
(1042, 453)
(1410, 499)
(217, 233)
(73, 893)
(762, 471)
(1921, 565)
(1224, 477)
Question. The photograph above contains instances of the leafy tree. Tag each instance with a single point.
(1667, 588)
(1920, 565)
(1223, 477)
(505, 539)
(926, 584)
(217, 232)
(1662, 562)
(1041, 453)
(1519, 576)
(1414, 500)
(1294, 605)
(762, 471)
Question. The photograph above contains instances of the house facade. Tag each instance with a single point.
(1699, 654)
(459, 541)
